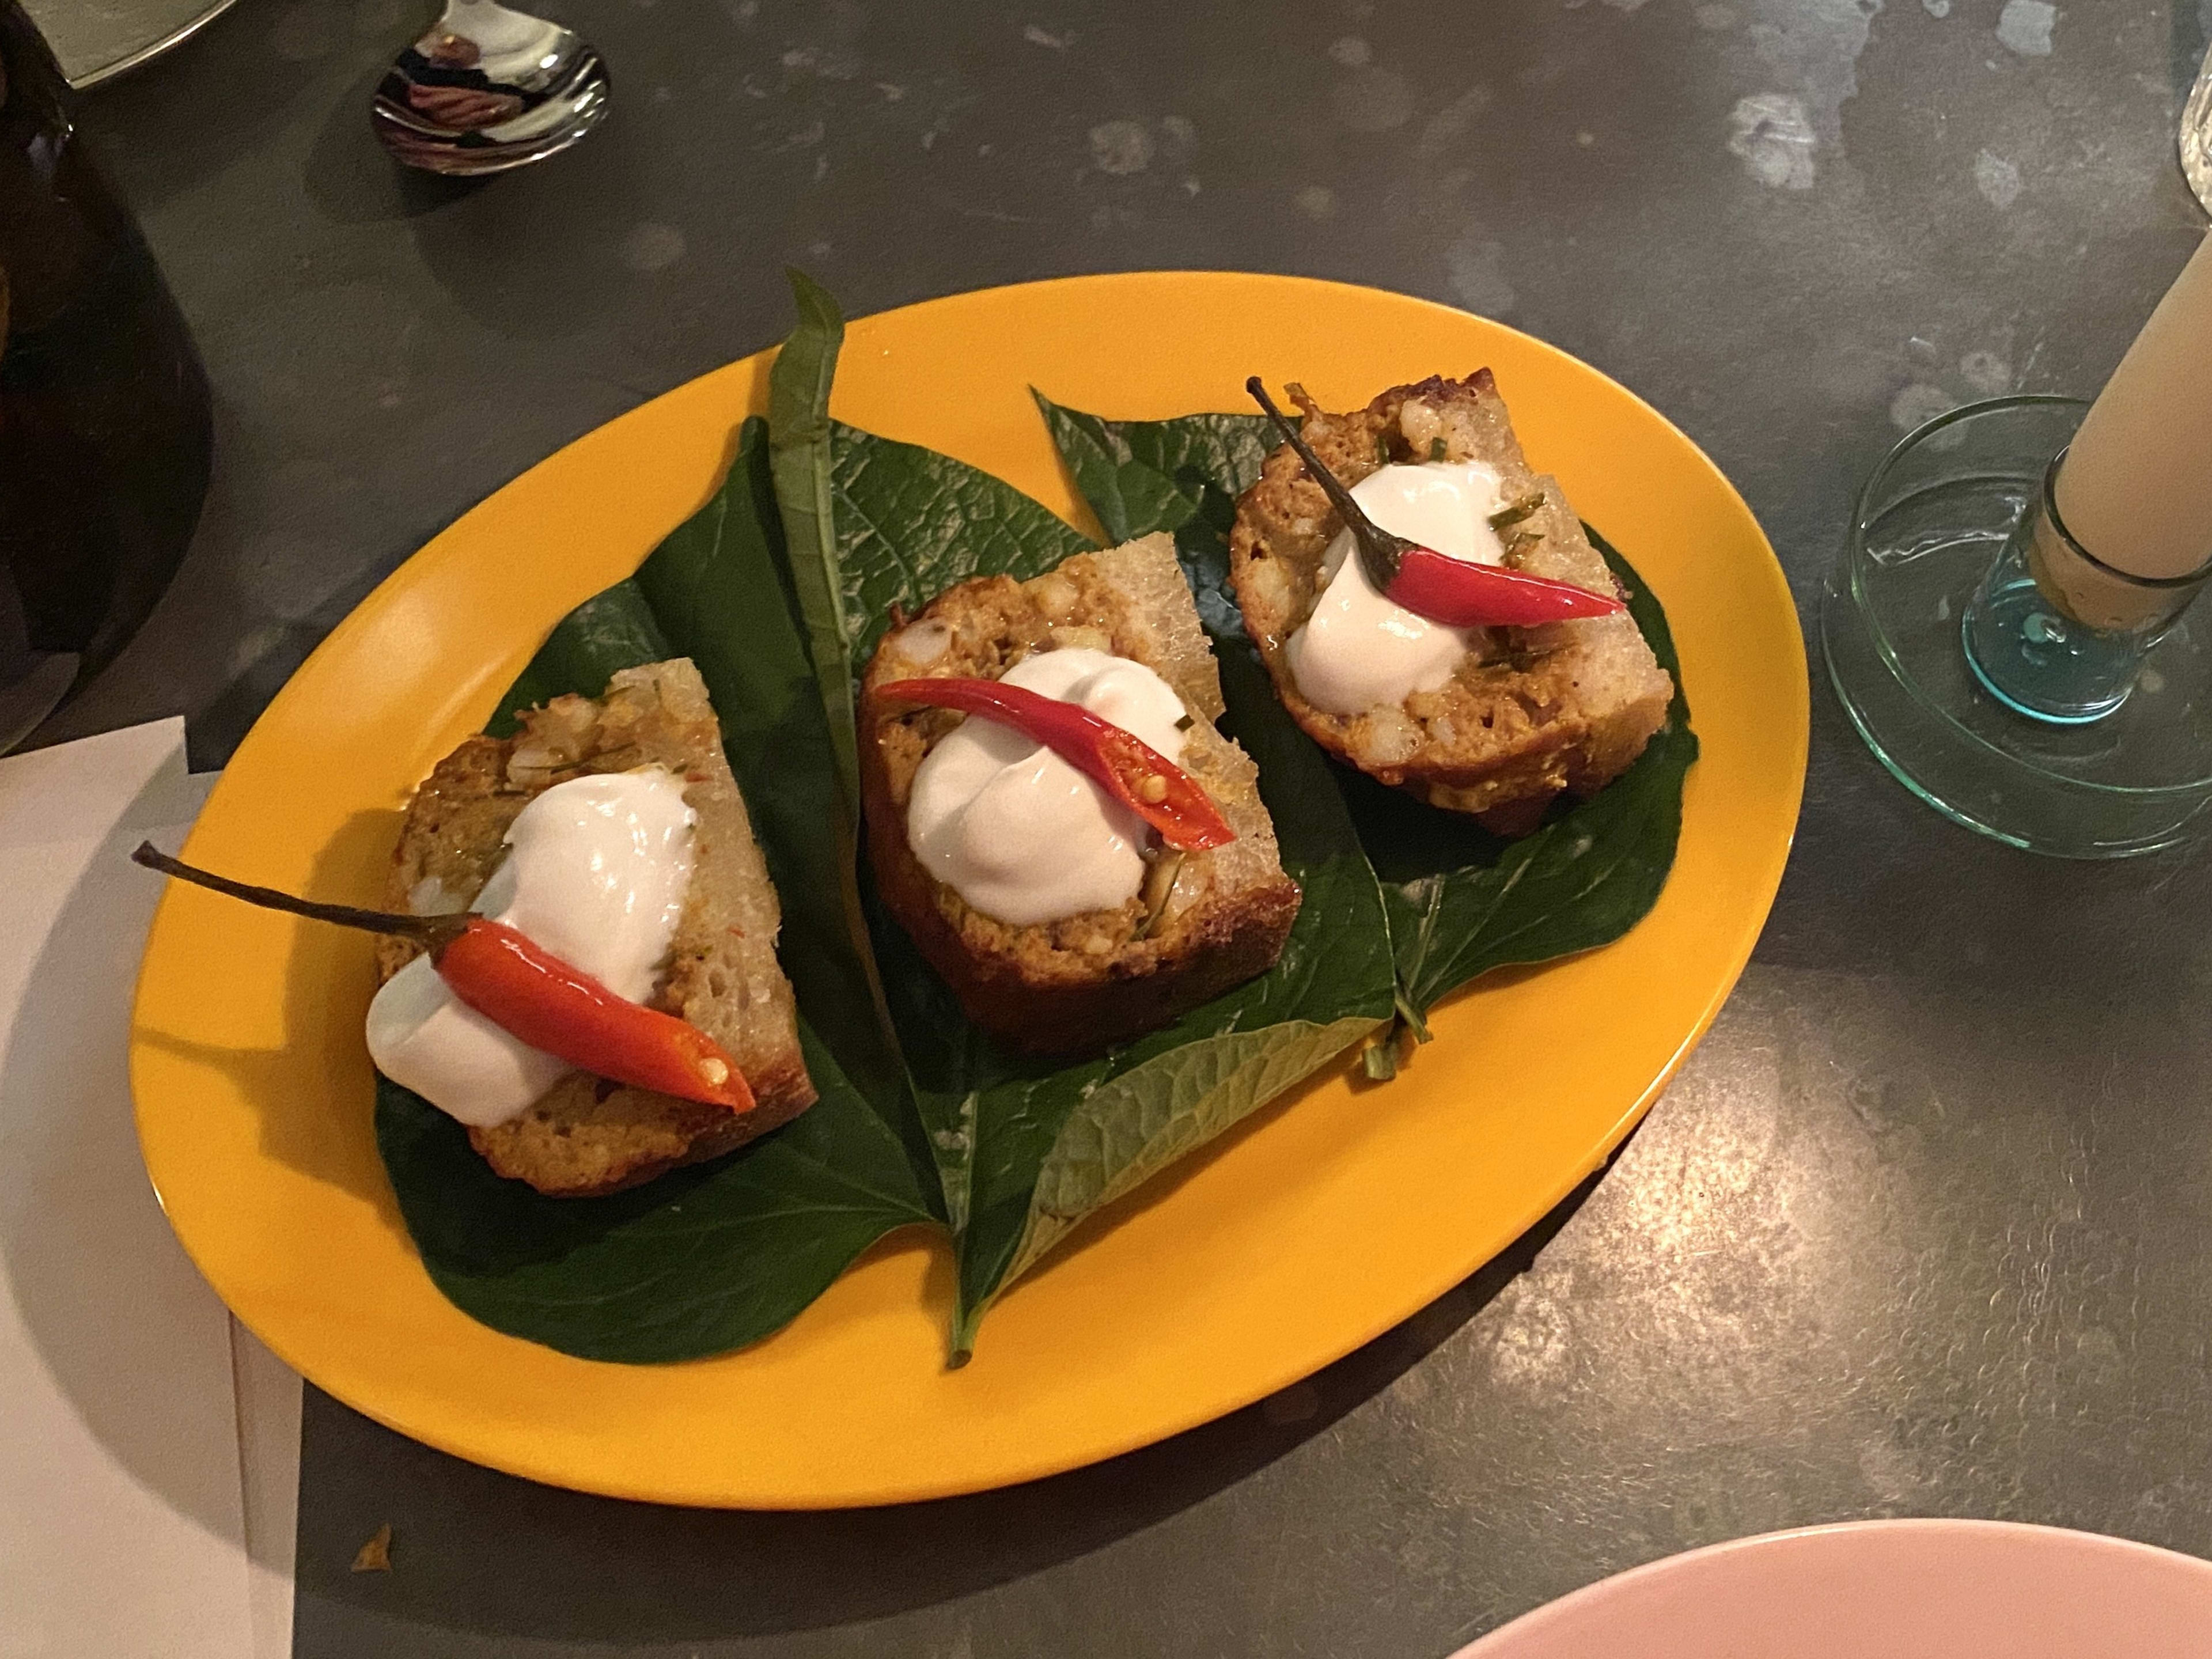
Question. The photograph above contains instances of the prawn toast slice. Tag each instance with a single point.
(1531, 711)
(587, 1135)
(1203, 924)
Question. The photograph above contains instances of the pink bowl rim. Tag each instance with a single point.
(1575, 1603)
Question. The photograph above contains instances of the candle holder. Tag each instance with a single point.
(2003, 673)
(2055, 633)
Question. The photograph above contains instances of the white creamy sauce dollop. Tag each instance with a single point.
(1358, 651)
(596, 874)
(1020, 833)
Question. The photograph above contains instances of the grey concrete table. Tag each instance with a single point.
(1926, 1226)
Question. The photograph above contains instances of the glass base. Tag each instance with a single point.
(1931, 523)
(2024, 648)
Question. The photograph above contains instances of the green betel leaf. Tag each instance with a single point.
(1176, 1090)
(697, 1262)
(1143, 476)
(723, 581)
(809, 567)
(1463, 902)
(912, 523)
(798, 425)
(1182, 476)
(1460, 900)
(1026, 1147)
(707, 1259)
(616, 626)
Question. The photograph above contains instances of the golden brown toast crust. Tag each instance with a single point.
(587, 1135)
(1536, 710)
(1086, 982)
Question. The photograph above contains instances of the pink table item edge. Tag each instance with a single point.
(1883, 1589)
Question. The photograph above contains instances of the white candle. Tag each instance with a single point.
(2136, 487)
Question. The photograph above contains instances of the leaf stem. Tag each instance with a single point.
(1381, 1056)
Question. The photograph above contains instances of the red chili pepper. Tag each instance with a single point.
(1462, 594)
(533, 995)
(1122, 763)
(528, 993)
(1454, 591)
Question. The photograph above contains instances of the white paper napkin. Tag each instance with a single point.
(149, 1456)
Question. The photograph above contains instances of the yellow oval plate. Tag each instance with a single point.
(1320, 1222)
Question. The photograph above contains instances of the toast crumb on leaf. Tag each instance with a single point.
(587, 1135)
(1085, 982)
(1534, 711)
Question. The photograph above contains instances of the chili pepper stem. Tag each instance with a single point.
(1379, 551)
(525, 991)
(431, 930)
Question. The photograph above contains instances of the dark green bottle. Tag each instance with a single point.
(104, 418)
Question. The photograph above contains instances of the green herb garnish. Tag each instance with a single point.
(1511, 514)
